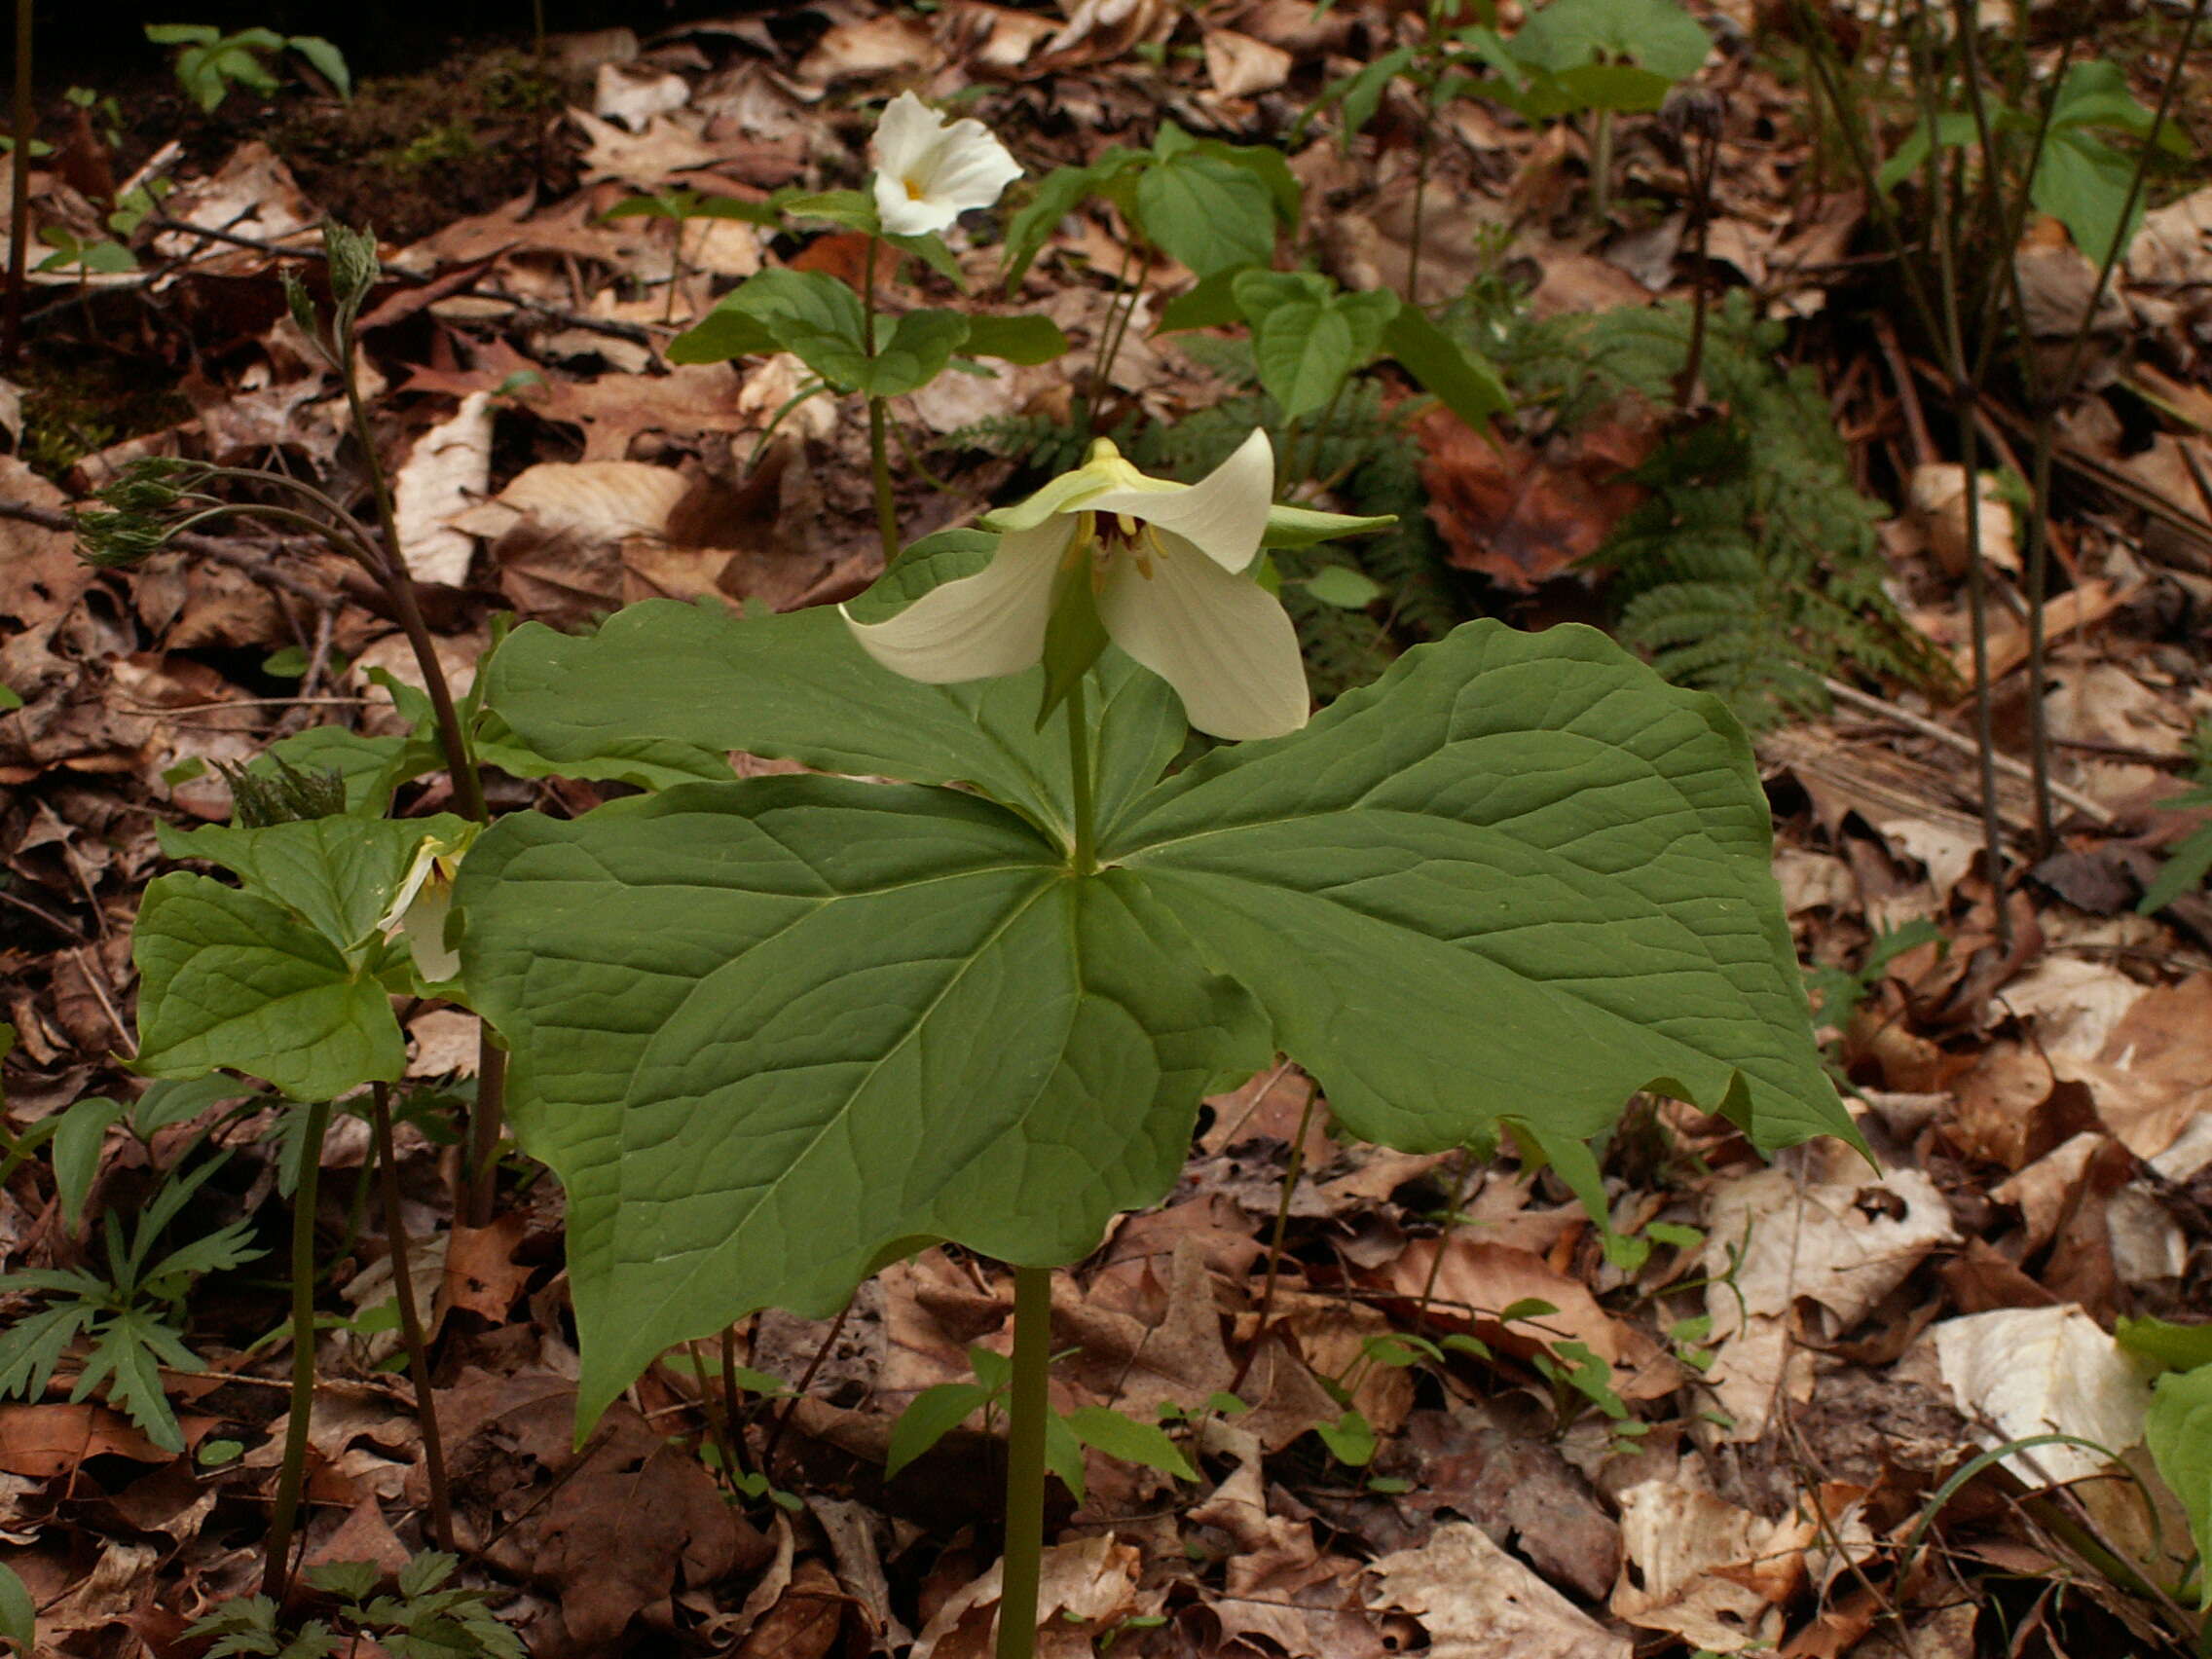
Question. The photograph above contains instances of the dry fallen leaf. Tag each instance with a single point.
(2030, 1371)
(1478, 1603)
(446, 474)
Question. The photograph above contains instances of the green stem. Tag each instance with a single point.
(1084, 855)
(1422, 154)
(409, 1317)
(1602, 170)
(1025, 1462)
(276, 1567)
(1100, 358)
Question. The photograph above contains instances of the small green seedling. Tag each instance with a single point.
(211, 63)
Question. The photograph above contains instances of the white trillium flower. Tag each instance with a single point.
(1169, 568)
(418, 909)
(928, 173)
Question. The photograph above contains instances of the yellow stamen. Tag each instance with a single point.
(914, 191)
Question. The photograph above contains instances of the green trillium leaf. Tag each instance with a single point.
(2177, 1431)
(337, 875)
(770, 1034)
(798, 687)
(1515, 857)
(229, 978)
(912, 352)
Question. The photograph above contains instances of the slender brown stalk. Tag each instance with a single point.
(284, 1519)
(805, 1381)
(410, 1316)
(1290, 1178)
(878, 444)
(19, 205)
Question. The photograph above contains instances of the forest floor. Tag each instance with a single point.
(1728, 1430)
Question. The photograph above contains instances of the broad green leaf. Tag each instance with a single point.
(1063, 1456)
(77, 1151)
(167, 1102)
(1343, 587)
(911, 353)
(931, 1416)
(2096, 94)
(183, 34)
(1304, 354)
(1104, 1429)
(18, 1617)
(1622, 86)
(1210, 213)
(2177, 1431)
(798, 687)
(1515, 857)
(1350, 1439)
(1303, 527)
(642, 763)
(230, 980)
(774, 1032)
(1657, 34)
(372, 767)
(1952, 129)
(808, 312)
(339, 874)
(2177, 1348)
(1057, 194)
(855, 210)
(1466, 385)
(2083, 183)
(1361, 93)
(1014, 339)
(931, 249)
(1210, 304)
(328, 61)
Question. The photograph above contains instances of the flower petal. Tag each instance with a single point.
(1224, 514)
(903, 215)
(906, 134)
(989, 624)
(1220, 640)
(970, 167)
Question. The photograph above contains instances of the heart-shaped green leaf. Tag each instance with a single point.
(770, 1034)
(1516, 857)
(227, 979)
(798, 687)
(337, 875)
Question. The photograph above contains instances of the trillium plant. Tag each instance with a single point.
(966, 978)
(777, 1033)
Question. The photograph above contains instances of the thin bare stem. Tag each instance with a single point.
(19, 203)
(878, 448)
(410, 1316)
(284, 1519)
(1290, 1179)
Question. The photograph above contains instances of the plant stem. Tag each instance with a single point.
(1290, 1178)
(19, 205)
(275, 1567)
(484, 1132)
(1423, 152)
(410, 1316)
(878, 449)
(1100, 358)
(1601, 171)
(1118, 320)
(1025, 1462)
(1083, 857)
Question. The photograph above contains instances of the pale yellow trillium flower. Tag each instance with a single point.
(1169, 566)
(928, 173)
(418, 909)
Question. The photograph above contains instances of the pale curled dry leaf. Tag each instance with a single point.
(2030, 1371)
(1713, 1573)
(1477, 1602)
(446, 474)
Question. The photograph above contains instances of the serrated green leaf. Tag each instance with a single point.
(232, 980)
(355, 1580)
(33, 1343)
(337, 875)
(1146, 1444)
(931, 1416)
(123, 1356)
(1516, 855)
(798, 687)
(822, 1021)
(2177, 1431)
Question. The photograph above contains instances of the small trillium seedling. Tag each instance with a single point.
(1167, 571)
(929, 174)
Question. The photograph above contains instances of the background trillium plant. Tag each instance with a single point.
(929, 174)
(1168, 571)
